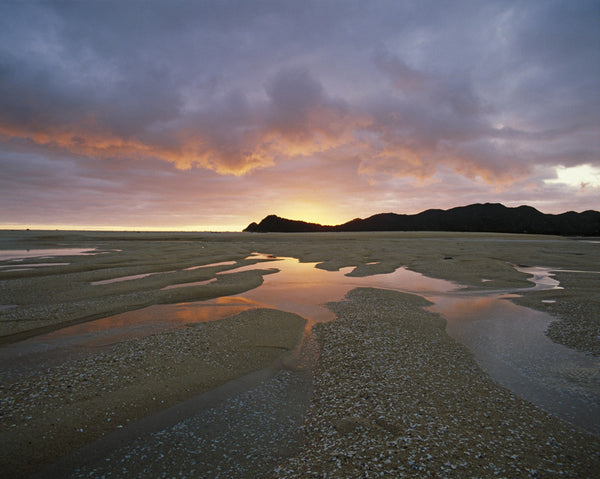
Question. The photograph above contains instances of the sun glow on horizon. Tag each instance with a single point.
(326, 214)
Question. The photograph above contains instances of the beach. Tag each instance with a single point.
(395, 396)
(393, 393)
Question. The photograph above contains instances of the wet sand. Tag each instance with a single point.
(52, 297)
(396, 397)
(438, 404)
(51, 412)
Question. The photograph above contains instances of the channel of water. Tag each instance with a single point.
(507, 340)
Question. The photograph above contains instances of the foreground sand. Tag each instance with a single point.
(393, 391)
(51, 412)
(395, 396)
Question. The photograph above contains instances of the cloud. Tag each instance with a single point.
(582, 176)
(430, 121)
(494, 95)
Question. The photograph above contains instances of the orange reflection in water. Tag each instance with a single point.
(506, 339)
(298, 288)
(149, 320)
(193, 283)
(303, 289)
(122, 278)
(471, 308)
(211, 265)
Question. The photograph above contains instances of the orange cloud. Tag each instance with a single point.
(324, 130)
(193, 152)
(254, 142)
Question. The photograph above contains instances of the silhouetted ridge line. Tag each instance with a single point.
(488, 217)
(275, 224)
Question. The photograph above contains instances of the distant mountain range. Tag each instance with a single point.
(488, 217)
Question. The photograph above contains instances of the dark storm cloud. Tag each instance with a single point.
(493, 91)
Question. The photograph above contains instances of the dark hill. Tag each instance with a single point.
(488, 217)
(275, 224)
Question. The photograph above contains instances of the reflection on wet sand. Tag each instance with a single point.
(193, 283)
(141, 322)
(303, 289)
(507, 340)
(298, 288)
(122, 278)
(222, 263)
(459, 310)
(509, 343)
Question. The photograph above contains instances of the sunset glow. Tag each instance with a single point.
(211, 115)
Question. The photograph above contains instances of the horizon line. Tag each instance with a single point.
(224, 229)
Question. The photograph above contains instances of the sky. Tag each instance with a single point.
(208, 115)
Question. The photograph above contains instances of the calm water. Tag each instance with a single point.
(298, 288)
(507, 340)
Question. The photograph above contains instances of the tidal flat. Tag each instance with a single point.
(389, 392)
